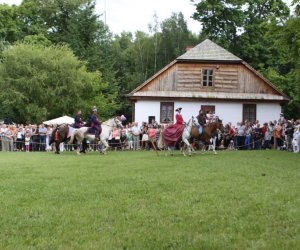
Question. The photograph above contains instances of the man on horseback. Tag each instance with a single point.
(96, 123)
(78, 120)
(201, 120)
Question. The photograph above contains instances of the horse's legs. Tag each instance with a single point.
(214, 140)
(106, 146)
(57, 147)
(83, 145)
(186, 142)
(77, 146)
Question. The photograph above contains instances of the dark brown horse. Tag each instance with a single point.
(59, 135)
(209, 132)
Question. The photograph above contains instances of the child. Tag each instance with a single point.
(231, 145)
(27, 141)
(129, 139)
(296, 140)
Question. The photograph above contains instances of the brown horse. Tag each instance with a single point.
(209, 132)
(59, 135)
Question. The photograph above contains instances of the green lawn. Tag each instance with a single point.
(136, 200)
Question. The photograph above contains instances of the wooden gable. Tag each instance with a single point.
(226, 78)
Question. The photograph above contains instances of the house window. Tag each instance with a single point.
(166, 112)
(207, 79)
(249, 112)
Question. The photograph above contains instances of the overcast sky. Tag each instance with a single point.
(133, 15)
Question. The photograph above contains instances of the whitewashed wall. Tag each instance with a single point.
(266, 112)
(228, 112)
(144, 109)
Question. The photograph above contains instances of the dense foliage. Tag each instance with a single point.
(41, 35)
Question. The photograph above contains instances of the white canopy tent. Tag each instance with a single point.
(60, 120)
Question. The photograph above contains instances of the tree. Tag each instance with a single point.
(240, 25)
(285, 71)
(46, 82)
(175, 38)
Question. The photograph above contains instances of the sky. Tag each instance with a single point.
(133, 15)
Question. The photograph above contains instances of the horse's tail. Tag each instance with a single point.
(73, 136)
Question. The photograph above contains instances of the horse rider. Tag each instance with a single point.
(201, 120)
(173, 133)
(78, 120)
(96, 123)
(179, 119)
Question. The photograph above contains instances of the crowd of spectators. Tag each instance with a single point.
(27, 138)
(280, 134)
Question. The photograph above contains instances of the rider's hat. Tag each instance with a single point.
(178, 109)
(94, 109)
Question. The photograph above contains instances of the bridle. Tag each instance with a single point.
(118, 122)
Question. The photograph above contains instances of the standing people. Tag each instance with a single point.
(42, 136)
(4, 140)
(20, 139)
(136, 136)
(27, 141)
(48, 138)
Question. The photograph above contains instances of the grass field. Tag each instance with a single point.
(136, 200)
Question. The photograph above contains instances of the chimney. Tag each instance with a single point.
(189, 47)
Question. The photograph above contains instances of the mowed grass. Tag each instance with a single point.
(136, 200)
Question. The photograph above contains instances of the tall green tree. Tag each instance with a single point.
(221, 20)
(46, 82)
(285, 71)
(72, 22)
(175, 37)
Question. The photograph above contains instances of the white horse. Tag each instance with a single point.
(186, 135)
(81, 133)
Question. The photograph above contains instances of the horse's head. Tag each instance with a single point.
(118, 122)
(220, 125)
(195, 122)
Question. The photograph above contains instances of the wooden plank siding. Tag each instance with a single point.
(226, 78)
(167, 81)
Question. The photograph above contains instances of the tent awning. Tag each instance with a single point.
(60, 120)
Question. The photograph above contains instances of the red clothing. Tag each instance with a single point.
(179, 119)
(173, 133)
(231, 133)
(264, 130)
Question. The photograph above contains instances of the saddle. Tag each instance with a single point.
(91, 131)
(196, 131)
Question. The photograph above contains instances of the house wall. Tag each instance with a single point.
(228, 112)
(144, 109)
(268, 112)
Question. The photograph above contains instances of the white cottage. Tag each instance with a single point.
(207, 77)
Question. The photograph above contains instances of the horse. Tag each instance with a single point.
(209, 134)
(59, 135)
(82, 133)
(186, 135)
